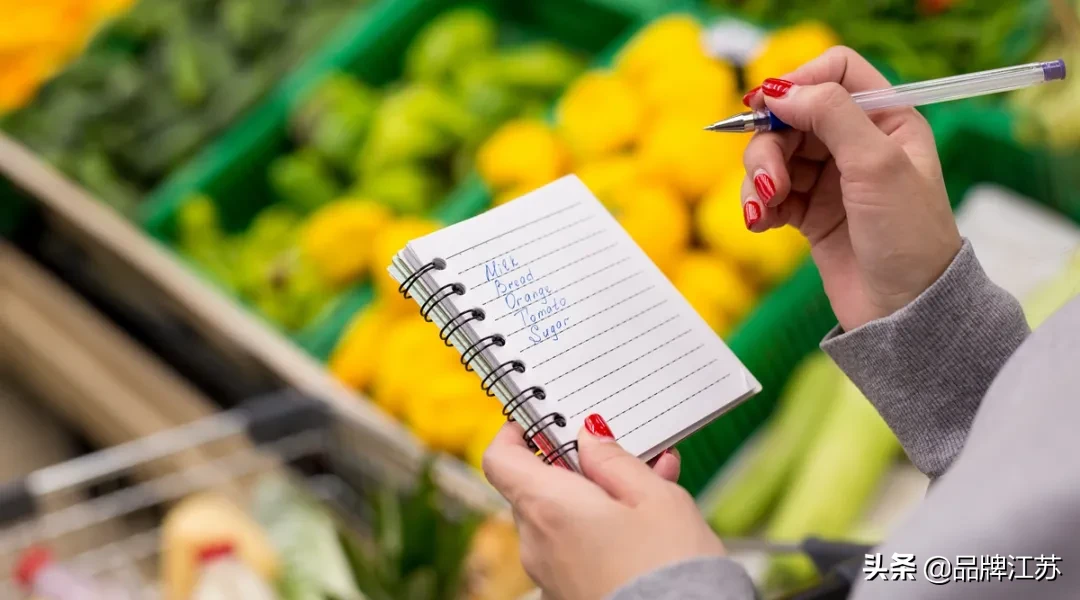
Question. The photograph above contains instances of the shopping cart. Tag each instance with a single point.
(100, 514)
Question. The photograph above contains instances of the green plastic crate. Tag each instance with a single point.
(233, 169)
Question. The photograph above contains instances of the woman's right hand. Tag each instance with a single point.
(865, 189)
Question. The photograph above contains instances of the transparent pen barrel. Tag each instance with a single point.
(952, 88)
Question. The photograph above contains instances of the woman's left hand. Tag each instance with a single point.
(582, 538)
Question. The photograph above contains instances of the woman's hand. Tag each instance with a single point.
(865, 189)
(584, 537)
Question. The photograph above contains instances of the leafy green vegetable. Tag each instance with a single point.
(419, 550)
(160, 81)
(306, 537)
(303, 180)
(453, 39)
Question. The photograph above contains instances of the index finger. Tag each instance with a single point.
(838, 64)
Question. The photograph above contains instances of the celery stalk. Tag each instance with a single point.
(758, 479)
(849, 457)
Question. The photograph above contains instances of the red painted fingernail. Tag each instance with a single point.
(751, 212)
(776, 88)
(765, 187)
(749, 95)
(597, 426)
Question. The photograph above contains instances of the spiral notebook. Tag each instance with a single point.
(561, 315)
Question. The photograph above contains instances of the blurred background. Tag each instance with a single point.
(207, 379)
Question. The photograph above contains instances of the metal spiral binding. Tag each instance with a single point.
(477, 348)
(560, 452)
(438, 296)
(543, 423)
(436, 264)
(518, 401)
(476, 314)
(499, 372)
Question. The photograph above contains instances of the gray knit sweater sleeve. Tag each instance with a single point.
(927, 367)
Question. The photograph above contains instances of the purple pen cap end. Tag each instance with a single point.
(1053, 70)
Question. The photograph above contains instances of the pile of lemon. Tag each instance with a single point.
(634, 134)
(395, 357)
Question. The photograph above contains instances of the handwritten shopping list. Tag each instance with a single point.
(596, 324)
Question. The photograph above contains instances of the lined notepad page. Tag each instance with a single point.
(596, 323)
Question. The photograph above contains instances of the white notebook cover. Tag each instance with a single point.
(592, 320)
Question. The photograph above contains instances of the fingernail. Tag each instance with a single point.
(776, 88)
(751, 212)
(765, 187)
(596, 425)
(749, 95)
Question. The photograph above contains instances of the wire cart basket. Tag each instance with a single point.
(100, 514)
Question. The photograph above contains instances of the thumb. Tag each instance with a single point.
(828, 111)
(622, 475)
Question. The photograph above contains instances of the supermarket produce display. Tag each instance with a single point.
(161, 80)
(367, 162)
(284, 150)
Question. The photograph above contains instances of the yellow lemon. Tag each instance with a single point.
(489, 424)
(784, 249)
(715, 288)
(768, 257)
(604, 176)
(664, 42)
(388, 242)
(446, 409)
(700, 298)
(338, 238)
(676, 149)
(409, 346)
(522, 153)
(511, 194)
(701, 89)
(657, 220)
(787, 49)
(599, 114)
(354, 359)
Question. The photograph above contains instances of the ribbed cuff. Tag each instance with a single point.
(712, 578)
(927, 367)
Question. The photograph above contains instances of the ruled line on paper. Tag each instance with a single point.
(599, 291)
(674, 406)
(596, 313)
(609, 351)
(660, 391)
(626, 364)
(590, 275)
(532, 261)
(532, 241)
(590, 255)
(509, 231)
(633, 383)
(593, 337)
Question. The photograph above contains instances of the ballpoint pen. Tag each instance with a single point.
(919, 93)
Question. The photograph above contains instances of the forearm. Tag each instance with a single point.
(698, 579)
(927, 367)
